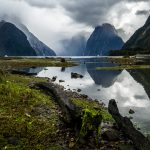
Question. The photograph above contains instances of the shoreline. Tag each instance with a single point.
(50, 117)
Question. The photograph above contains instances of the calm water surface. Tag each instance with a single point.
(130, 88)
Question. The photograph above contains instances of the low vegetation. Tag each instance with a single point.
(29, 118)
(10, 63)
(126, 67)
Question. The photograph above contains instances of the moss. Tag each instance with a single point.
(93, 115)
(20, 118)
(91, 122)
(93, 106)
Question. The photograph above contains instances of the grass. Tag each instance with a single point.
(33, 62)
(127, 67)
(123, 61)
(26, 115)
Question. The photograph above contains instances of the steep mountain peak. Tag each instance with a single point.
(147, 22)
(140, 40)
(40, 48)
(13, 42)
(106, 28)
(18, 32)
(103, 39)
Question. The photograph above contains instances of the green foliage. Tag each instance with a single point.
(91, 122)
(93, 106)
(93, 115)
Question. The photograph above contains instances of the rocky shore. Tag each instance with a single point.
(37, 113)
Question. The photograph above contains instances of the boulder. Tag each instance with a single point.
(131, 111)
(76, 75)
(124, 123)
(111, 135)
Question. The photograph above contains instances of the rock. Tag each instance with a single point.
(63, 69)
(84, 96)
(54, 78)
(131, 111)
(111, 135)
(79, 90)
(61, 81)
(139, 140)
(98, 90)
(76, 75)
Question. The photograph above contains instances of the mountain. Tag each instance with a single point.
(143, 77)
(40, 48)
(17, 40)
(104, 78)
(140, 41)
(103, 39)
(74, 46)
(13, 42)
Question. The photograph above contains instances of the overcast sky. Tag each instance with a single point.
(54, 20)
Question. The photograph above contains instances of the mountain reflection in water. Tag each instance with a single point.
(129, 88)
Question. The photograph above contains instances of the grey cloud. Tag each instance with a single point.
(143, 12)
(89, 12)
(42, 3)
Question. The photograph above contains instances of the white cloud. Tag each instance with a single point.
(52, 21)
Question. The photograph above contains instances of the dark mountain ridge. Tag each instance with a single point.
(19, 41)
(13, 42)
(103, 39)
(140, 40)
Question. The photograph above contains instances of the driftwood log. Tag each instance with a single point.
(127, 127)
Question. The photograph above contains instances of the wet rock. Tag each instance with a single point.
(63, 69)
(76, 75)
(61, 81)
(131, 111)
(54, 78)
(139, 140)
(84, 96)
(111, 135)
(79, 90)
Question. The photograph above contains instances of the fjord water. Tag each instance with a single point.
(130, 88)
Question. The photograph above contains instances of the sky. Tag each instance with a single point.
(55, 20)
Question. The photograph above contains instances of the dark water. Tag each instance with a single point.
(130, 88)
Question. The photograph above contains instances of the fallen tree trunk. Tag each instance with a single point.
(60, 98)
(82, 120)
(125, 124)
